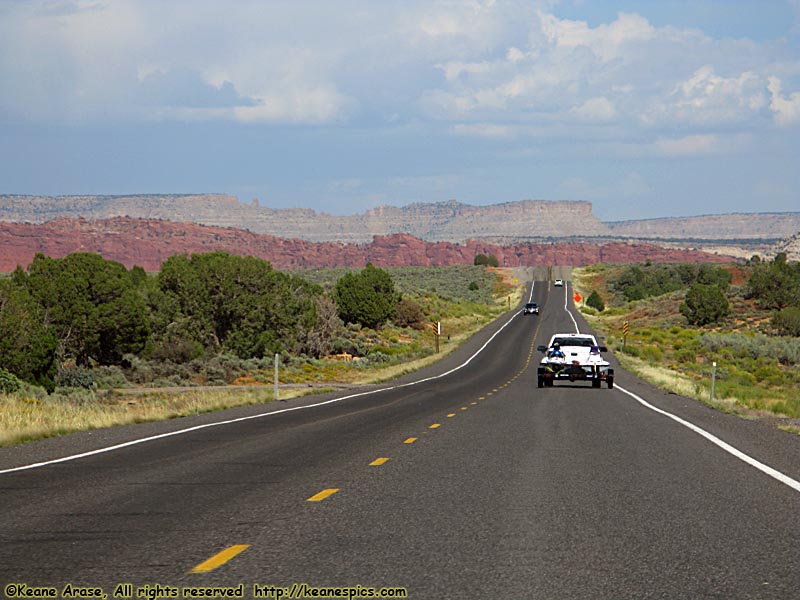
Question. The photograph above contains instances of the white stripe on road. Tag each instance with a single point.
(792, 483)
(783, 478)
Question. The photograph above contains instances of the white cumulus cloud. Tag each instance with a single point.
(786, 110)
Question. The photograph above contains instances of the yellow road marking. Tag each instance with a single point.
(323, 494)
(410, 441)
(435, 425)
(474, 403)
(219, 559)
(482, 398)
(463, 408)
(451, 415)
(378, 462)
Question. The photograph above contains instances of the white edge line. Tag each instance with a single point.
(785, 479)
(258, 416)
(792, 483)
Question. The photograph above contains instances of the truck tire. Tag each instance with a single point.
(541, 381)
(610, 382)
(596, 383)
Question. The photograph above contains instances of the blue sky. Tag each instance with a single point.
(645, 108)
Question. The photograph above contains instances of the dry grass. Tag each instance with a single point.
(25, 419)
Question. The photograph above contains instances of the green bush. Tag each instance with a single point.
(75, 377)
(368, 298)
(9, 382)
(595, 301)
(486, 261)
(705, 304)
(652, 354)
(787, 321)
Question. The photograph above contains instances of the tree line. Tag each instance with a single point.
(84, 310)
(772, 285)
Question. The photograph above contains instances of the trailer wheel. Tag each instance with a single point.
(610, 382)
(541, 381)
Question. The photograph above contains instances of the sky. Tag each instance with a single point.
(645, 108)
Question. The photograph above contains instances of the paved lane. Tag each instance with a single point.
(474, 485)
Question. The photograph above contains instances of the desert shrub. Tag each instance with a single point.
(705, 304)
(486, 261)
(75, 377)
(595, 301)
(473, 286)
(380, 357)
(9, 382)
(652, 354)
(775, 284)
(368, 297)
(177, 349)
(409, 314)
(783, 349)
(787, 321)
(110, 377)
(631, 350)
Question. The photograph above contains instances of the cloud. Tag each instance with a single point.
(785, 110)
(595, 110)
(707, 99)
(186, 88)
(496, 69)
(607, 41)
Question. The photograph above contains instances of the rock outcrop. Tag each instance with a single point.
(441, 221)
(790, 246)
(148, 243)
(510, 222)
(733, 226)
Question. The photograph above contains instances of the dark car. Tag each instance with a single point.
(531, 308)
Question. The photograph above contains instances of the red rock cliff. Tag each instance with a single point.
(148, 243)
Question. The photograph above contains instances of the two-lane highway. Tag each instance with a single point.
(475, 484)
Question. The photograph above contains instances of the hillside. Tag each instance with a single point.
(502, 224)
(148, 243)
(732, 226)
(443, 221)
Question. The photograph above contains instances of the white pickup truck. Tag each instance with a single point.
(574, 357)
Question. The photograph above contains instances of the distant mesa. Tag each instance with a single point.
(145, 230)
(447, 221)
(441, 221)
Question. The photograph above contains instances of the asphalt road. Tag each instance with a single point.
(490, 488)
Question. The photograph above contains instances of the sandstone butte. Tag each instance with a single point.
(148, 243)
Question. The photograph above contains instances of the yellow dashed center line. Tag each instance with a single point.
(219, 559)
(451, 415)
(410, 441)
(463, 408)
(435, 425)
(323, 494)
(378, 462)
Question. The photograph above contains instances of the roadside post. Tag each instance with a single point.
(626, 328)
(713, 378)
(277, 359)
(437, 331)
